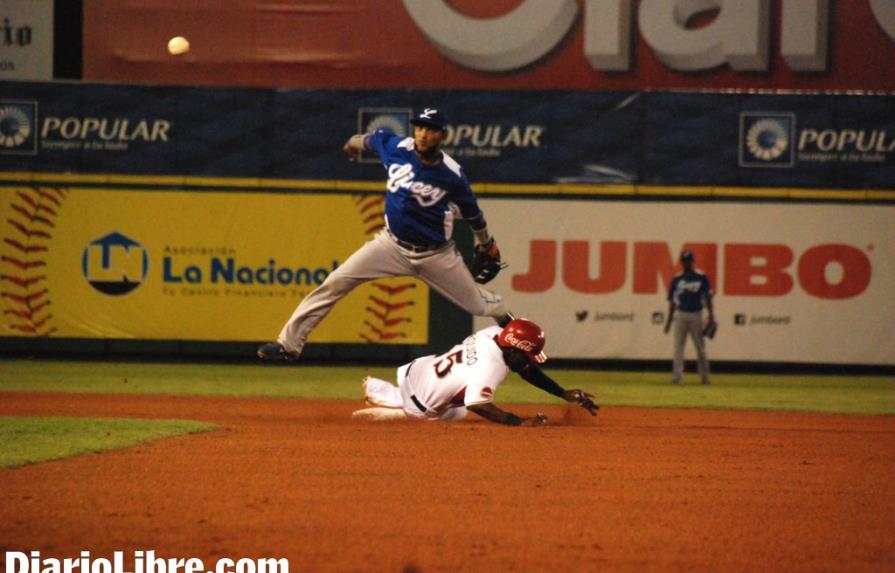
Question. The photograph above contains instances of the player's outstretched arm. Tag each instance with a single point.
(522, 365)
(491, 412)
(532, 373)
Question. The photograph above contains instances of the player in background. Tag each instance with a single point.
(427, 191)
(466, 377)
(687, 294)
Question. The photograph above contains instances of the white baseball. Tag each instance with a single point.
(178, 45)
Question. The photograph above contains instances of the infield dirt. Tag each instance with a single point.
(631, 490)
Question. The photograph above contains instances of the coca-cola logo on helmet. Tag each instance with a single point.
(524, 335)
(524, 345)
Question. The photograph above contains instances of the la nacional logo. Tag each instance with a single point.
(115, 264)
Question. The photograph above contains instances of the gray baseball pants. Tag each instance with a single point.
(442, 269)
(689, 323)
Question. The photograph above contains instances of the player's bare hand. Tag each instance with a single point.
(352, 153)
(583, 399)
(536, 420)
(353, 147)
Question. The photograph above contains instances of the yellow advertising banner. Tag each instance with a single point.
(158, 264)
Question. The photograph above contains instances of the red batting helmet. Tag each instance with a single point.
(526, 336)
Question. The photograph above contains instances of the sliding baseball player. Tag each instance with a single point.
(465, 378)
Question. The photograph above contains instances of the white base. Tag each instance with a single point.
(379, 414)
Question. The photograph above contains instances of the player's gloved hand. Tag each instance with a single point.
(354, 146)
(486, 262)
(711, 328)
(536, 420)
(583, 399)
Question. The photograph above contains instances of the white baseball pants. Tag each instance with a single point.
(385, 394)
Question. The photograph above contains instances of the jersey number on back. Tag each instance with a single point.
(443, 366)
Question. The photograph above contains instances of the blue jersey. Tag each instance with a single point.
(422, 200)
(688, 290)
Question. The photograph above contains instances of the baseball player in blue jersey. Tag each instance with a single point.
(688, 293)
(427, 191)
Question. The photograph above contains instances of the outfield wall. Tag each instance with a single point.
(151, 264)
(170, 214)
(792, 282)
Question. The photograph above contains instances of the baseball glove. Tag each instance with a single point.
(486, 262)
(710, 329)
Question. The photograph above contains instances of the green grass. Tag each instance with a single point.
(827, 393)
(275, 381)
(30, 440)
(26, 440)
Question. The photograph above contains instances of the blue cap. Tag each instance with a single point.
(431, 117)
(687, 255)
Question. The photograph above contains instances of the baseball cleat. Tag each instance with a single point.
(504, 320)
(373, 393)
(363, 385)
(275, 351)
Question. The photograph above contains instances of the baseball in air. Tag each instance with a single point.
(178, 45)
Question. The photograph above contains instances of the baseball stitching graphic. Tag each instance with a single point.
(383, 320)
(28, 231)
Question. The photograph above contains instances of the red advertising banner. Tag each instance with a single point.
(500, 44)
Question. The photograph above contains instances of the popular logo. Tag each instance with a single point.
(369, 119)
(481, 140)
(766, 139)
(17, 127)
(115, 264)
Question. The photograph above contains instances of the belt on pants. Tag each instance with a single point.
(415, 248)
(413, 398)
(417, 403)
